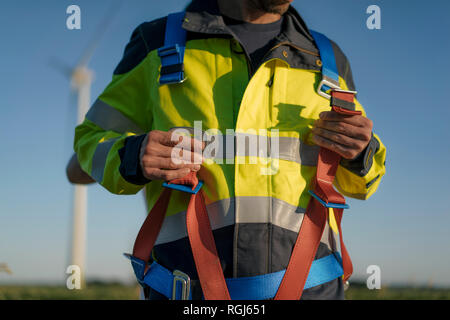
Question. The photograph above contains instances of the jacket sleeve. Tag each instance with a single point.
(359, 178)
(107, 143)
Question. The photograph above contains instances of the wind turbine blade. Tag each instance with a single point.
(101, 31)
(61, 67)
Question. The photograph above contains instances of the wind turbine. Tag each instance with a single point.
(81, 78)
(81, 81)
(5, 268)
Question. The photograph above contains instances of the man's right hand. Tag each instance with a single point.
(167, 155)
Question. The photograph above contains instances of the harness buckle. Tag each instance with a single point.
(345, 91)
(172, 68)
(329, 204)
(182, 277)
(328, 83)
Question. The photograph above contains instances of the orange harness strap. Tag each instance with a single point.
(200, 235)
(313, 225)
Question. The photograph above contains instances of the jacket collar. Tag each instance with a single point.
(203, 16)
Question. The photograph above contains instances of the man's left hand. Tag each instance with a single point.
(346, 135)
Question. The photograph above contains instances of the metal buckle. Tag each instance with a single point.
(182, 277)
(174, 54)
(326, 81)
(170, 50)
(345, 91)
(171, 79)
(346, 285)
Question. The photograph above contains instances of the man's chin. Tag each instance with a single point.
(276, 6)
(271, 6)
(278, 9)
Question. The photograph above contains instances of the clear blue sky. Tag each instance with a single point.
(401, 73)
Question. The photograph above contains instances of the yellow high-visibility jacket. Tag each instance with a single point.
(255, 217)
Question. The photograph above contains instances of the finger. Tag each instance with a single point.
(185, 141)
(186, 156)
(339, 138)
(188, 143)
(356, 120)
(167, 163)
(160, 143)
(344, 128)
(163, 137)
(166, 175)
(343, 151)
(172, 138)
(159, 150)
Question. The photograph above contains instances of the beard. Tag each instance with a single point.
(271, 6)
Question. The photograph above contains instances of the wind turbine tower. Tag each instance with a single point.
(81, 81)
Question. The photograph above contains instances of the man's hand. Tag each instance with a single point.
(346, 135)
(167, 156)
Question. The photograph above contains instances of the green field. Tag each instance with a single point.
(92, 292)
(360, 292)
(99, 291)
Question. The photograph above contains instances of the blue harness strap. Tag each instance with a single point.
(172, 54)
(330, 74)
(250, 288)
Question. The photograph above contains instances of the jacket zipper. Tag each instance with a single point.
(249, 66)
(269, 84)
(288, 44)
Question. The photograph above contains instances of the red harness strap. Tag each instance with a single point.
(312, 228)
(200, 236)
(202, 242)
(314, 221)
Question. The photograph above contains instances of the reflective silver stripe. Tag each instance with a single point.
(99, 159)
(290, 149)
(248, 210)
(111, 119)
(222, 148)
(294, 149)
(221, 214)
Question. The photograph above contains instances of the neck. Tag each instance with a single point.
(244, 10)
